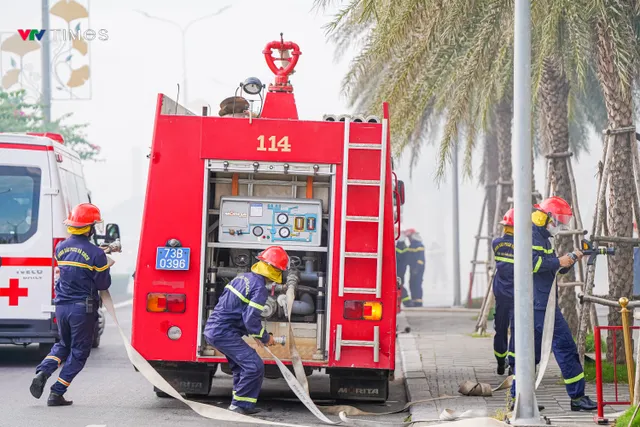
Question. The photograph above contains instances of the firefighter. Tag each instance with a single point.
(550, 217)
(415, 260)
(503, 290)
(84, 269)
(238, 313)
(401, 265)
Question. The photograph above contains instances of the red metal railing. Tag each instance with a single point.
(598, 348)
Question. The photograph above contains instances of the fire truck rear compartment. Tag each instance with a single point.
(247, 212)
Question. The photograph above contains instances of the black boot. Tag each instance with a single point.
(501, 367)
(58, 400)
(244, 411)
(38, 383)
(583, 403)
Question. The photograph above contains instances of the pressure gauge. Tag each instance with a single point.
(257, 231)
(282, 218)
(284, 232)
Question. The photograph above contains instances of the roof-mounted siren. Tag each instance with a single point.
(330, 118)
(372, 119)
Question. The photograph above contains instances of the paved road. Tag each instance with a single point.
(110, 393)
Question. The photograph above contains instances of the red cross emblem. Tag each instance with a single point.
(14, 291)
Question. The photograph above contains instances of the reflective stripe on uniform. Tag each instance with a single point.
(575, 379)
(260, 334)
(401, 251)
(503, 259)
(538, 264)
(81, 265)
(500, 354)
(414, 249)
(406, 299)
(243, 298)
(63, 382)
(509, 353)
(244, 399)
(541, 249)
(420, 262)
(54, 358)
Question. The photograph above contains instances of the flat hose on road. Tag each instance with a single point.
(300, 390)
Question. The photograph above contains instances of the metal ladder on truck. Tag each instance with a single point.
(354, 214)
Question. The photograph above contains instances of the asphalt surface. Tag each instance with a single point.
(108, 392)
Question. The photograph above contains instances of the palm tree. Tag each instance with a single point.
(430, 60)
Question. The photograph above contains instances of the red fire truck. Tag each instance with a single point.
(221, 189)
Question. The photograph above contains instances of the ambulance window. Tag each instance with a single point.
(72, 188)
(19, 203)
(83, 194)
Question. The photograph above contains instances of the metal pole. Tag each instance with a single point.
(526, 406)
(456, 231)
(46, 64)
(628, 351)
(184, 68)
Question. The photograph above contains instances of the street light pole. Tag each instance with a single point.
(526, 406)
(183, 32)
(456, 230)
(46, 64)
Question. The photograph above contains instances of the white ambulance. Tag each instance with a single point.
(41, 180)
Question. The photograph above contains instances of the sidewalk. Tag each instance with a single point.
(439, 354)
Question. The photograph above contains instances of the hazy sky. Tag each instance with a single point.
(143, 58)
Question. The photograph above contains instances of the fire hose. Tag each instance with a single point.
(298, 384)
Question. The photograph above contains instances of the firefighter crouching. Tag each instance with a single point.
(503, 290)
(84, 269)
(551, 216)
(238, 313)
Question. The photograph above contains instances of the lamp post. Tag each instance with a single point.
(183, 31)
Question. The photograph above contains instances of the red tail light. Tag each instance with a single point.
(161, 303)
(362, 310)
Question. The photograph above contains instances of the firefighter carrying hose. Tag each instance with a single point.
(401, 265)
(238, 313)
(415, 260)
(503, 290)
(550, 217)
(84, 269)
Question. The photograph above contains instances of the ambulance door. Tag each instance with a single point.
(26, 238)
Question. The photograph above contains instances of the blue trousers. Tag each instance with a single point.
(564, 350)
(501, 322)
(76, 328)
(246, 366)
(415, 281)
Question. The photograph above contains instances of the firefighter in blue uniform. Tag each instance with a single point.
(550, 217)
(238, 313)
(503, 290)
(401, 266)
(84, 270)
(415, 259)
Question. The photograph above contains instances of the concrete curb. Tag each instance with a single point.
(410, 360)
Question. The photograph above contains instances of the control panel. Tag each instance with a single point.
(270, 221)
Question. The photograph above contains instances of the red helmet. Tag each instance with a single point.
(558, 208)
(409, 231)
(507, 219)
(275, 256)
(83, 215)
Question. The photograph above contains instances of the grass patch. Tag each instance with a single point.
(607, 372)
(623, 421)
(477, 335)
(590, 346)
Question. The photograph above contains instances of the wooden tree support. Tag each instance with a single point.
(599, 230)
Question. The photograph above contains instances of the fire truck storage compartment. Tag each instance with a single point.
(252, 206)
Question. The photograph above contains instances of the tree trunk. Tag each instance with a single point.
(504, 115)
(554, 97)
(491, 178)
(617, 95)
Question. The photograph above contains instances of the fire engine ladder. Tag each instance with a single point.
(351, 181)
